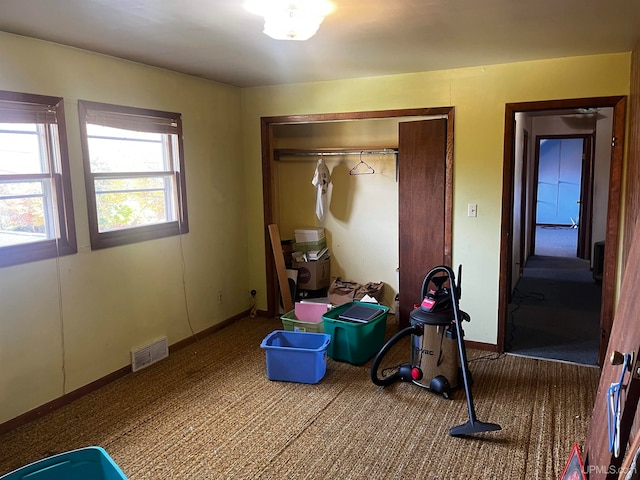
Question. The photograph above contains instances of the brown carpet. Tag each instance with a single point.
(209, 412)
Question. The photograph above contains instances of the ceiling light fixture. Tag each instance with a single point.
(290, 19)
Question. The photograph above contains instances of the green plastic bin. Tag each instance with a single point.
(291, 323)
(351, 342)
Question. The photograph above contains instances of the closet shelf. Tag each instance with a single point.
(279, 153)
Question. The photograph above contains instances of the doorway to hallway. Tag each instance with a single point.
(511, 296)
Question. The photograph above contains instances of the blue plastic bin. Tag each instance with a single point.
(90, 463)
(296, 356)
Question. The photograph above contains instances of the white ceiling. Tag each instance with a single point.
(219, 40)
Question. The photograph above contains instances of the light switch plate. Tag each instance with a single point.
(472, 210)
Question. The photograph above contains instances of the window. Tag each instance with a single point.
(36, 208)
(134, 173)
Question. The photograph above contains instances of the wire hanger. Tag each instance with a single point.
(369, 169)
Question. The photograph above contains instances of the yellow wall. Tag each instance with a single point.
(479, 95)
(71, 321)
(357, 204)
(98, 305)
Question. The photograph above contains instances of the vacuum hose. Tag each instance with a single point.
(406, 372)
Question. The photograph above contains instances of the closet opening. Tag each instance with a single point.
(363, 153)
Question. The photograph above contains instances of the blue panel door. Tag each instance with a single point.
(559, 177)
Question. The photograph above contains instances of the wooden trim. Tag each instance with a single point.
(329, 117)
(613, 226)
(269, 202)
(566, 104)
(586, 198)
(268, 177)
(208, 331)
(448, 193)
(632, 177)
(618, 103)
(506, 224)
(583, 249)
(60, 402)
(62, 198)
(70, 397)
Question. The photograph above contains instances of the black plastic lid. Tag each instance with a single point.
(431, 318)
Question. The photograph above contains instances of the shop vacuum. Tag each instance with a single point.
(436, 334)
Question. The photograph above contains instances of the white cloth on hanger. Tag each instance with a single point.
(321, 180)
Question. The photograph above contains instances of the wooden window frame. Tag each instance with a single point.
(151, 121)
(18, 107)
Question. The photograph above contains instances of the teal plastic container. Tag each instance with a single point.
(351, 342)
(296, 356)
(90, 463)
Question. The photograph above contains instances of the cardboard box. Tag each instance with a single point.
(313, 275)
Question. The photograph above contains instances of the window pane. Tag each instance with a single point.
(133, 163)
(36, 212)
(20, 151)
(22, 213)
(134, 202)
(115, 150)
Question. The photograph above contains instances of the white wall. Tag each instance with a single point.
(601, 171)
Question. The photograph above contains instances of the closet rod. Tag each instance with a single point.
(278, 153)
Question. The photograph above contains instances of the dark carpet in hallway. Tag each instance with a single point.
(555, 311)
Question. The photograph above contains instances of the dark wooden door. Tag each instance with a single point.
(586, 200)
(625, 338)
(422, 170)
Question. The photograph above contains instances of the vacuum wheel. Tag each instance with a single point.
(441, 385)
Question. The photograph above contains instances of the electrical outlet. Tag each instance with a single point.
(220, 296)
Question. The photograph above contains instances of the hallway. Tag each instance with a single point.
(555, 308)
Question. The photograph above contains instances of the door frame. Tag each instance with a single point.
(583, 249)
(618, 103)
(269, 181)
